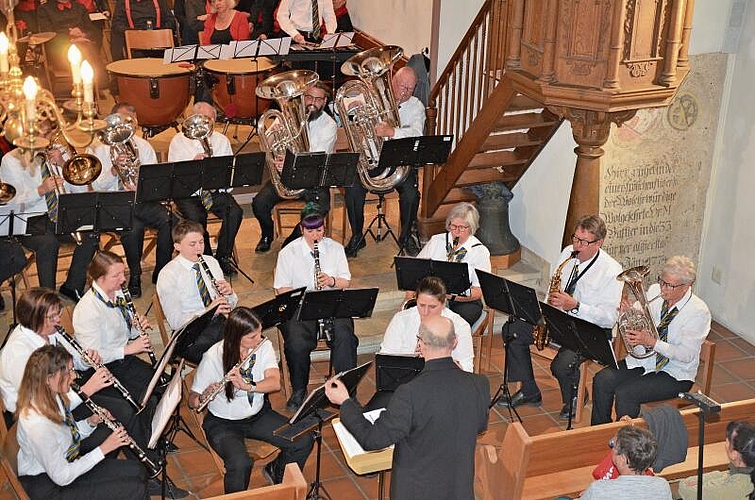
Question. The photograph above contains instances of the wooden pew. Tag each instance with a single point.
(561, 463)
(293, 487)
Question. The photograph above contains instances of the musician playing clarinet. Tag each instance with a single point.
(296, 267)
(185, 288)
(242, 410)
(51, 462)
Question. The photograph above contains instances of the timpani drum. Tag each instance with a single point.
(235, 91)
(159, 92)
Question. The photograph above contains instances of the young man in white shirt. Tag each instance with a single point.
(220, 202)
(296, 19)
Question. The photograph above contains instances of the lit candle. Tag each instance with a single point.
(30, 92)
(87, 75)
(4, 45)
(74, 57)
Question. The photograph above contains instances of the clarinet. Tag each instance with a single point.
(139, 329)
(226, 378)
(324, 325)
(113, 425)
(207, 271)
(88, 360)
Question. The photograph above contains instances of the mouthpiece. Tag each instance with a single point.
(574, 253)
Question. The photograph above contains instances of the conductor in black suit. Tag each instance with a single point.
(433, 421)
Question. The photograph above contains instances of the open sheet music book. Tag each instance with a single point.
(349, 444)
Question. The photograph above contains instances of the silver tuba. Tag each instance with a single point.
(119, 135)
(634, 318)
(199, 127)
(285, 129)
(365, 102)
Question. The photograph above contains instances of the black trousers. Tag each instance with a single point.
(300, 339)
(518, 335)
(46, 245)
(227, 438)
(630, 388)
(112, 479)
(155, 216)
(224, 207)
(408, 204)
(267, 198)
(470, 311)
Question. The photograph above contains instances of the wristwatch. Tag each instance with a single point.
(575, 309)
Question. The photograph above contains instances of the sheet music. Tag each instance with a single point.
(349, 444)
(333, 40)
(19, 221)
(178, 54)
(275, 46)
(170, 400)
(240, 48)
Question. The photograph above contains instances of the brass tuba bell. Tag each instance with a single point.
(199, 127)
(119, 134)
(634, 318)
(7, 193)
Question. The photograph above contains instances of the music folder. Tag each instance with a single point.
(411, 270)
(510, 297)
(96, 211)
(416, 151)
(338, 303)
(584, 338)
(280, 309)
(310, 170)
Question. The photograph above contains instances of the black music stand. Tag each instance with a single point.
(97, 211)
(186, 336)
(247, 169)
(410, 271)
(280, 309)
(391, 371)
(520, 303)
(12, 224)
(314, 170)
(586, 339)
(311, 416)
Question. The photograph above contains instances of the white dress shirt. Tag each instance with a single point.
(184, 149)
(109, 182)
(477, 257)
(21, 343)
(598, 291)
(401, 336)
(211, 370)
(295, 15)
(178, 291)
(296, 264)
(412, 116)
(26, 180)
(43, 445)
(686, 334)
(322, 133)
(100, 327)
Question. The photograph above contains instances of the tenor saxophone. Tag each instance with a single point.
(541, 336)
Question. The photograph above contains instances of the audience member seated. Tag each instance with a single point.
(137, 15)
(224, 23)
(738, 481)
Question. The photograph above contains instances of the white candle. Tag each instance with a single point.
(87, 75)
(74, 57)
(30, 92)
(4, 45)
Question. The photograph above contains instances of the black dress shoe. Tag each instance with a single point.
(227, 267)
(295, 401)
(264, 244)
(69, 293)
(272, 472)
(135, 286)
(564, 413)
(410, 247)
(155, 488)
(355, 244)
(519, 399)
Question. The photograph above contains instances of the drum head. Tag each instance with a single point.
(148, 67)
(239, 66)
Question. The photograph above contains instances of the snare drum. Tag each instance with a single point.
(235, 91)
(159, 92)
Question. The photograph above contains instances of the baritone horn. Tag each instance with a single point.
(635, 318)
(119, 135)
(285, 129)
(364, 103)
(199, 127)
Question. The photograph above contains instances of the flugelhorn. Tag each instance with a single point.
(88, 360)
(135, 317)
(7, 193)
(633, 318)
(119, 135)
(227, 377)
(199, 127)
(113, 425)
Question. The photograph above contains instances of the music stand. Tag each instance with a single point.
(337, 303)
(247, 169)
(319, 169)
(391, 371)
(311, 416)
(12, 224)
(280, 309)
(519, 302)
(586, 339)
(410, 271)
(97, 211)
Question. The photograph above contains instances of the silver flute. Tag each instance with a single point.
(88, 360)
(113, 425)
(137, 325)
(227, 378)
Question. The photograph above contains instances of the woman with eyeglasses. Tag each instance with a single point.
(51, 463)
(459, 244)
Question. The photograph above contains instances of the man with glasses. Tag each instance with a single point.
(589, 291)
(682, 321)
(322, 131)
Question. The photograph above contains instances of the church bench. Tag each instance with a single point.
(561, 463)
(293, 487)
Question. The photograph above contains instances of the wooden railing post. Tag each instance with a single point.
(686, 30)
(673, 43)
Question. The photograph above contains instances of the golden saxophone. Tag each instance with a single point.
(227, 378)
(541, 337)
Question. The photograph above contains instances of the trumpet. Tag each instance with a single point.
(153, 469)
(227, 377)
(88, 360)
(132, 310)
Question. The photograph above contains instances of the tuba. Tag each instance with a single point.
(365, 102)
(119, 135)
(634, 318)
(199, 127)
(541, 337)
(285, 129)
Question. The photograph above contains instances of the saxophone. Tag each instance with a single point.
(541, 336)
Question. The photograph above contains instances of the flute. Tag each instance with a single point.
(88, 360)
(113, 425)
(137, 324)
(226, 378)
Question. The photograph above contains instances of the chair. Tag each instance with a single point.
(160, 319)
(478, 331)
(9, 466)
(148, 40)
(286, 376)
(66, 319)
